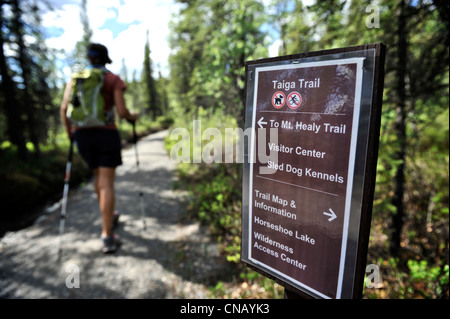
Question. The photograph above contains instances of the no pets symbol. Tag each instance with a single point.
(278, 100)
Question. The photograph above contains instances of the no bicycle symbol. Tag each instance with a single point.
(294, 100)
(278, 100)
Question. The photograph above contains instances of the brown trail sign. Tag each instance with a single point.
(308, 191)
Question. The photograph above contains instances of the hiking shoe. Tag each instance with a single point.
(116, 219)
(111, 244)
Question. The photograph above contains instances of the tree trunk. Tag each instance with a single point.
(15, 124)
(443, 7)
(400, 130)
(240, 113)
(26, 75)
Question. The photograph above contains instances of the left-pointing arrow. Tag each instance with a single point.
(260, 122)
(331, 214)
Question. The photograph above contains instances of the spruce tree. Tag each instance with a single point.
(79, 56)
(149, 82)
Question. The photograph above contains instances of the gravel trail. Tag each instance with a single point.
(172, 258)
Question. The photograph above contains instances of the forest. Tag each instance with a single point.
(210, 41)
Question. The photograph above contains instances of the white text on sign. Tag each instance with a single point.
(302, 84)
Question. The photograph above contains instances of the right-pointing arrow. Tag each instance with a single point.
(331, 214)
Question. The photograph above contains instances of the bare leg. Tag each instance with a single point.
(104, 187)
(96, 189)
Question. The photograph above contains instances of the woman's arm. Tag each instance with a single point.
(122, 108)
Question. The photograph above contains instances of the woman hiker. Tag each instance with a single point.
(100, 146)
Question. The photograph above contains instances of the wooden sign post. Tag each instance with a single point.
(310, 167)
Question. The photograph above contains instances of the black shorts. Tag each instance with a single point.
(99, 147)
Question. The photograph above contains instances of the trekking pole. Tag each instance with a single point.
(62, 218)
(138, 175)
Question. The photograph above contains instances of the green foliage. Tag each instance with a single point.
(27, 66)
(80, 51)
(427, 280)
(211, 41)
(27, 184)
(144, 125)
(420, 106)
(214, 188)
(146, 95)
(151, 97)
(214, 193)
